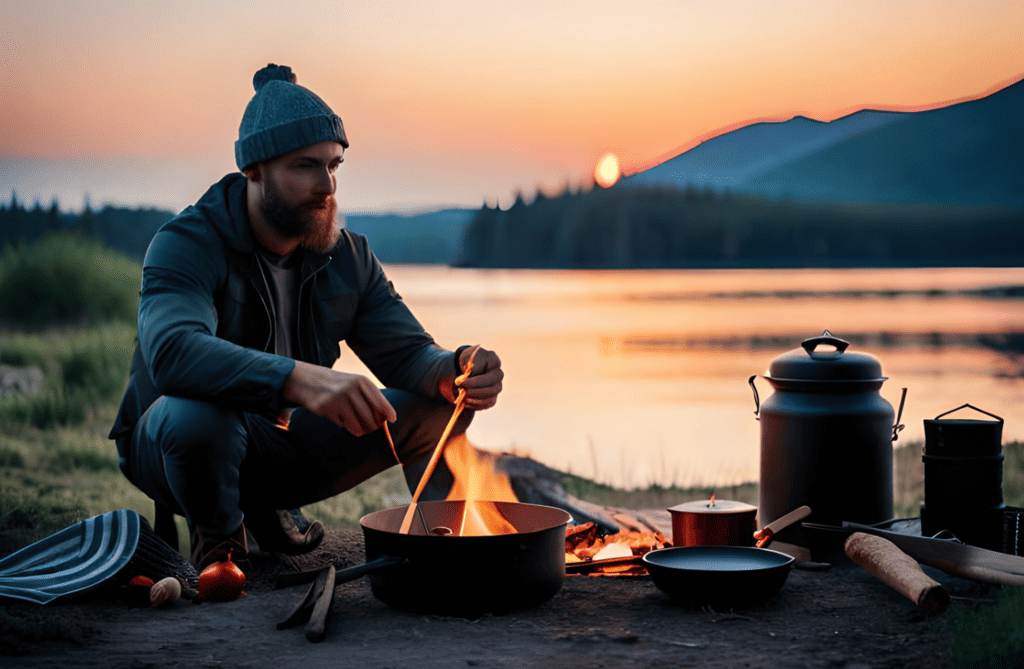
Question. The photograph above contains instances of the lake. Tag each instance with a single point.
(640, 377)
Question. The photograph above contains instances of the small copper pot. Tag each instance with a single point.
(713, 523)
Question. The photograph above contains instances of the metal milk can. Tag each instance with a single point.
(826, 437)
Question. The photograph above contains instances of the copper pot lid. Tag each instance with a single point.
(713, 506)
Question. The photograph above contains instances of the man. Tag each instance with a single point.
(233, 415)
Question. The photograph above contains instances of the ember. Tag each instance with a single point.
(584, 543)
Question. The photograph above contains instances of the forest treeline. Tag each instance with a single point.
(665, 227)
(124, 229)
(633, 227)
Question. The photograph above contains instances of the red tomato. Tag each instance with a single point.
(221, 582)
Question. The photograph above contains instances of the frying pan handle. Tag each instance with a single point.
(352, 573)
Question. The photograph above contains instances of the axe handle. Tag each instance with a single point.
(315, 627)
(882, 559)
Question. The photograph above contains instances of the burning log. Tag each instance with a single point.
(533, 483)
(584, 543)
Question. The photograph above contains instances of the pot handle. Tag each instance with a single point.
(826, 338)
(352, 573)
(341, 575)
(757, 400)
(968, 406)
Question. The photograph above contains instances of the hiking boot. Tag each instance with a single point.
(208, 550)
(284, 531)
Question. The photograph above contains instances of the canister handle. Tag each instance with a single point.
(757, 400)
(898, 426)
(826, 338)
(968, 406)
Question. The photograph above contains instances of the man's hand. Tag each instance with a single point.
(350, 400)
(484, 383)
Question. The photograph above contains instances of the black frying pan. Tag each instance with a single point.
(722, 577)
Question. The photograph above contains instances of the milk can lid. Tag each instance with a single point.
(833, 363)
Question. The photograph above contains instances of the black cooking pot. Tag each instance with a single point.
(721, 577)
(430, 571)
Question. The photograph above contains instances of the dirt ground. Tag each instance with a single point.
(840, 617)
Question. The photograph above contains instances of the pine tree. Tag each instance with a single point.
(53, 216)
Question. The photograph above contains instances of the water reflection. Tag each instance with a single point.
(641, 377)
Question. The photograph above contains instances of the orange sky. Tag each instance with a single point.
(459, 102)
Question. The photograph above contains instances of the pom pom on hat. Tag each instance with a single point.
(272, 72)
(282, 117)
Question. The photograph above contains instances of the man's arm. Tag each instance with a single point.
(178, 324)
(388, 338)
(350, 400)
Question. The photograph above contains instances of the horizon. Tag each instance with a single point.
(459, 105)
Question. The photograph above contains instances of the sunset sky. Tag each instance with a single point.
(458, 103)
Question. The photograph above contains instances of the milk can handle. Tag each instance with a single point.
(826, 338)
(757, 400)
(968, 406)
(898, 426)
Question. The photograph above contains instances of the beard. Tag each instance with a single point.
(313, 222)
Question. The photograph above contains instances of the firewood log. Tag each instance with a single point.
(882, 559)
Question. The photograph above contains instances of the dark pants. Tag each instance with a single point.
(212, 464)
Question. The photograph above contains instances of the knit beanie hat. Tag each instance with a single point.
(283, 117)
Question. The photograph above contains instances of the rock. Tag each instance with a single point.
(23, 381)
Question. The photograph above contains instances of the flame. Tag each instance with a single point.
(712, 500)
(478, 481)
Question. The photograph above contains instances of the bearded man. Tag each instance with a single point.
(233, 416)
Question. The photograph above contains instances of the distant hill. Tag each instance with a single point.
(431, 238)
(964, 154)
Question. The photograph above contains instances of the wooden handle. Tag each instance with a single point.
(460, 402)
(764, 536)
(882, 559)
(315, 626)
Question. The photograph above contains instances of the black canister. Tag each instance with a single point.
(963, 478)
(826, 437)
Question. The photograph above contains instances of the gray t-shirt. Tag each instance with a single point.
(283, 278)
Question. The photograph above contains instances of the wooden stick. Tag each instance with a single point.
(460, 402)
(882, 559)
(318, 619)
(391, 443)
(302, 611)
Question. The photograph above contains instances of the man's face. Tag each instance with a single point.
(298, 195)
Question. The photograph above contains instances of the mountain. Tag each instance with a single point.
(964, 154)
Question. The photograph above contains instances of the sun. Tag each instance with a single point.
(606, 172)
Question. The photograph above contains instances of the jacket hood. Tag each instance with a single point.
(224, 205)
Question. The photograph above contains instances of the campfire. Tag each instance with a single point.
(584, 544)
(480, 482)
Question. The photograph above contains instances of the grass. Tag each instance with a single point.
(83, 369)
(990, 637)
(67, 279)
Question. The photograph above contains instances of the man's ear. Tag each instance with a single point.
(253, 172)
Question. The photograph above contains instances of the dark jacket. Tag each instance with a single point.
(205, 327)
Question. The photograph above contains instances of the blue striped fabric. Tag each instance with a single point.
(72, 561)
